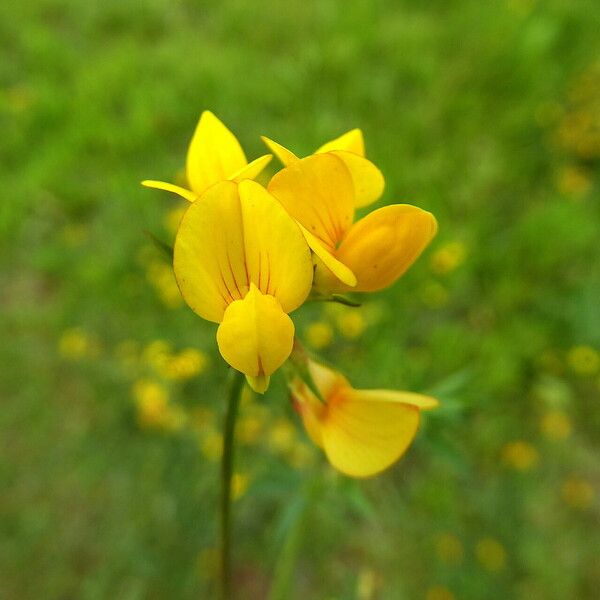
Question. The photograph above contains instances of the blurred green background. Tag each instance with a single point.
(485, 113)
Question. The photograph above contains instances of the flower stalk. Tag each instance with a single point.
(233, 400)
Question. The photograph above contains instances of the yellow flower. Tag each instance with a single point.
(319, 335)
(367, 179)
(239, 485)
(369, 255)
(241, 261)
(362, 432)
(185, 365)
(449, 548)
(439, 592)
(491, 554)
(282, 436)
(520, 455)
(350, 322)
(573, 181)
(154, 409)
(577, 493)
(556, 425)
(448, 257)
(214, 155)
(76, 343)
(584, 360)
(249, 429)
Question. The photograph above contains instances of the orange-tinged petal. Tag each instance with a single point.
(214, 154)
(209, 257)
(310, 409)
(362, 438)
(382, 246)
(318, 192)
(253, 169)
(352, 141)
(287, 157)
(367, 178)
(278, 259)
(256, 336)
(170, 187)
(419, 401)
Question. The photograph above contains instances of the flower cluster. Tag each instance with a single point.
(246, 256)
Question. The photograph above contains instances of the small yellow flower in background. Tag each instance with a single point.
(214, 155)
(187, 364)
(573, 181)
(584, 360)
(350, 322)
(242, 262)
(154, 409)
(319, 192)
(173, 219)
(362, 432)
(74, 234)
(319, 335)
(76, 343)
(160, 275)
(577, 492)
(249, 429)
(282, 436)
(434, 294)
(239, 485)
(449, 548)
(211, 445)
(439, 592)
(366, 584)
(491, 554)
(556, 425)
(301, 456)
(156, 353)
(448, 257)
(520, 455)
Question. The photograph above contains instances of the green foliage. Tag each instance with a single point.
(485, 113)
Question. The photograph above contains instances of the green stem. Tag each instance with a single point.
(233, 400)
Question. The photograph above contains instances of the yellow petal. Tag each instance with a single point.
(335, 269)
(209, 257)
(318, 192)
(214, 154)
(352, 141)
(259, 384)
(363, 437)
(419, 401)
(255, 336)
(170, 187)
(278, 259)
(310, 409)
(382, 246)
(283, 154)
(252, 170)
(367, 178)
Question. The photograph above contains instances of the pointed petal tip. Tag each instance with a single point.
(259, 384)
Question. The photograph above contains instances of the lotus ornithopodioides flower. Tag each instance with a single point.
(214, 155)
(362, 432)
(369, 255)
(367, 179)
(241, 261)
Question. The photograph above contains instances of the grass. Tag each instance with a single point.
(485, 113)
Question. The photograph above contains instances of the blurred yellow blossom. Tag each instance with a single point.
(434, 294)
(153, 407)
(520, 455)
(162, 278)
(185, 365)
(211, 445)
(282, 436)
(319, 334)
(75, 343)
(448, 257)
(239, 485)
(577, 492)
(449, 548)
(366, 584)
(351, 323)
(249, 429)
(173, 218)
(584, 360)
(573, 181)
(556, 425)
(439, 592)
(491, 554)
